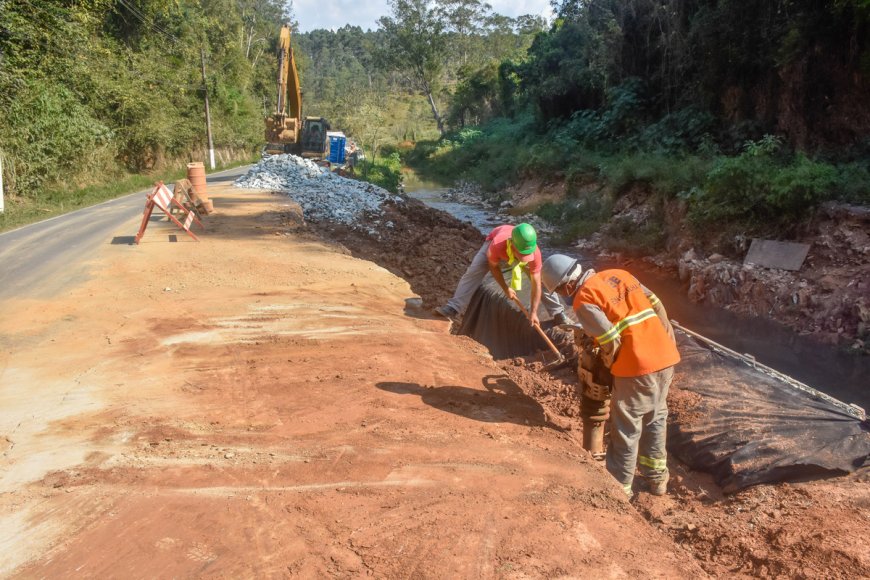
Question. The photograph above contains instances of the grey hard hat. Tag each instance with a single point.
(556, 270)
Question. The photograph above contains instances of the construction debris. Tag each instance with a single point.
(774, 254)
(322, 194)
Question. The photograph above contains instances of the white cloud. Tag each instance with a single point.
(333, 14)
(516, 8)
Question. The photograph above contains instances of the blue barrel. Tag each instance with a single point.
(336, 148)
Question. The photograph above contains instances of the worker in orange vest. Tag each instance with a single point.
(637, 343)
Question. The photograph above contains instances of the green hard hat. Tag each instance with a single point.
(525, 238)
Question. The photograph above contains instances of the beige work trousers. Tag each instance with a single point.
(638, 428)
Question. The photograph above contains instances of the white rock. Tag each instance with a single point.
(322, 194)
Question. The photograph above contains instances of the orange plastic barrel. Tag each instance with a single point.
(196, 175)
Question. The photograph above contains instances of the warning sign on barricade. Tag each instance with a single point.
(161, 197)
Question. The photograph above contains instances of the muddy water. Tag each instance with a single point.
(433, 195)
(825, 368)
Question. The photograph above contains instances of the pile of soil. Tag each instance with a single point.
(429, 248)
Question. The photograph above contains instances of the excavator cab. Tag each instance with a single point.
(314, 138)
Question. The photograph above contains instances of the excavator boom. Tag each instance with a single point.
(289, 91)
(284, 126)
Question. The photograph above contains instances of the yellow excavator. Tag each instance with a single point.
(286, 130)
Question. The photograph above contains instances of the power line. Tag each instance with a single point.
(52, 48)
(150, 23)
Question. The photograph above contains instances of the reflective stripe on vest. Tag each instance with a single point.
(516, 271)
(646, 346)
(620, 326)
(652, 463)
(653, 300)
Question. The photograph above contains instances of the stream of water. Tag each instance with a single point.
(826, 368)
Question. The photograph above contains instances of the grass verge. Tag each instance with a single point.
(21, 211)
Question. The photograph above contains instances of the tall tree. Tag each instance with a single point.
(415, 46)
(465, 18)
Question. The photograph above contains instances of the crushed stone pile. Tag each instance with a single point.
(323, 195)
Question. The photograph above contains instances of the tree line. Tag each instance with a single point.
(367, 81)
(92, 89)
(91, 86)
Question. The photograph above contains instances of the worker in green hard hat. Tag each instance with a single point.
(516, 246)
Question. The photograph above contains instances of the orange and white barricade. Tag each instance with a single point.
(161, 197)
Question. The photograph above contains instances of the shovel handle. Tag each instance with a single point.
(540, 330)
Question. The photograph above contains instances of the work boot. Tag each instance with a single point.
(448, 312)
(658, 486)
(562, 318)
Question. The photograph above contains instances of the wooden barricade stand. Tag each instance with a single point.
(187, 195)
(161, 197)
(181, 193)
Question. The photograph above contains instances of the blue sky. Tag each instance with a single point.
(313, 14)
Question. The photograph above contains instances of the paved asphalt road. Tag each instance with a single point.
(40, 260)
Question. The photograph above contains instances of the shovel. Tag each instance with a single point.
(560, 360)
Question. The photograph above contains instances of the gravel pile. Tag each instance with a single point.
(322, 194)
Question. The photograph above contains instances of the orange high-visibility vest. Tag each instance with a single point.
(646, 347)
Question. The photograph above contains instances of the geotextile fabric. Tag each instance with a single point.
(747, 427)
(736, 422)
(492, 320)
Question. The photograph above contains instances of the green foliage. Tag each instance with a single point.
(730, 59)
(90, 89)
(46, 150)
(854, 180)
(491, 155)
(661, 172)
(415, 46)
(628, 237)
(763, 186)
(385, 171)
(577, 218)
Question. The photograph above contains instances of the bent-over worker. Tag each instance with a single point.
(636, 340)
(518, 247)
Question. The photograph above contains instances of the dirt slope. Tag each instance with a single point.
(764, 531)
(260, 405)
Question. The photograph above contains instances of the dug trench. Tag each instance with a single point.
(806, 529)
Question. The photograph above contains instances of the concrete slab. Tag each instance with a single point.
(773, 254)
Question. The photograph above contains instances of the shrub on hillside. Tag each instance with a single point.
(384, 172)
(577, 218)
(763, 185)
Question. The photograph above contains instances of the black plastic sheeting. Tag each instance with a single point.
(494, 321)
(749, 427)
(746, 428)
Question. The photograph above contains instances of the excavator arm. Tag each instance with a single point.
(289, 91)
(284, 126)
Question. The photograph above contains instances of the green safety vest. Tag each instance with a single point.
(517, 270)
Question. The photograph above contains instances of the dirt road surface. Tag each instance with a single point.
(261, 404)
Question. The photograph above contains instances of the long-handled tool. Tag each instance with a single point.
(561, 359)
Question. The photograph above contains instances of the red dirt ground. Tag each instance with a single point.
(260, 405)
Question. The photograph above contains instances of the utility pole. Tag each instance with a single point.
(207, 114)
(2, 208)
